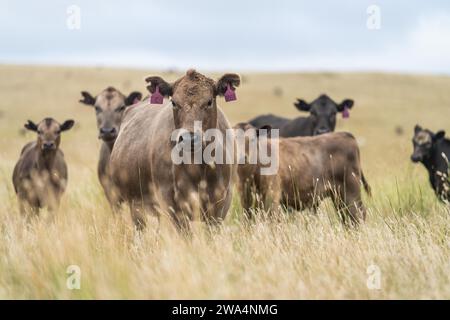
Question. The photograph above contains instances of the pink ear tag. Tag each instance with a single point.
(229, 94)
(156, 97)
(345, 113)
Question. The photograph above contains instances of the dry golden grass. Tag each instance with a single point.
(303, 256)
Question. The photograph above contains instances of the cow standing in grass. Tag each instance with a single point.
(109, 106)
(40, 175)
(433, 151)
(141, 161)
(309, 169)
(322, 118)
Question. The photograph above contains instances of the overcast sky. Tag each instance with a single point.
(230, 35)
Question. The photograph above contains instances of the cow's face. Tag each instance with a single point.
(49, 132)
(423, 142)
(193, 99)
(109, 107)
(323, 112)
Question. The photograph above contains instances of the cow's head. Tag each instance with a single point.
(109, 107)
(49, 132)
(193, 98)
(423, 143)
(323, 112)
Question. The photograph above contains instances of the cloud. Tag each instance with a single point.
(431, 38)
(250, 35)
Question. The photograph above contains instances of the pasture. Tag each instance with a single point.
(302, 256)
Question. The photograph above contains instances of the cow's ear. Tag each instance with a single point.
(231, 80)
(164, 87)
(417, 129)
(67, 125)
(439, 135)
(133, 98)
(302, 105)
(30, 125)
(87, 98)
(347, 103)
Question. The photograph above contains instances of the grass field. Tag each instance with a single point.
(406, 236)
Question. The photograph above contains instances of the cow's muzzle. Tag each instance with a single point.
(321, 131)
(416, 158)
(107, 134)
(48, 146)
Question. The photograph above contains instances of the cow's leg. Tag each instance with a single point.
(271, 197)
(28, 202)
(355, 210)
(28, 210)
(137, 211)
(315, 206)
(349, 205)
(111, 192)
(216, 194)
(215, 206)
(22, 206)
(176, 207)
(181, 222)
(247, 191)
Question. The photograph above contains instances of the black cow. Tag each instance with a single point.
(433, 151)
(322, 118)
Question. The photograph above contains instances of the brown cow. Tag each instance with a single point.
(141, 161)
(309, 169)
(40, 175)
(109, 107)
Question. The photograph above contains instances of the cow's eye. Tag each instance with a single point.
(174, 105)
(121, 108)
(210, 103)
(39, 131)
(98, 109)
(58, 131)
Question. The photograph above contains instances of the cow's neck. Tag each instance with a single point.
(435, 162)
(46, 159)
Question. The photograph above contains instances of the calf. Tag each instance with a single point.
(142, 164)
(309, 169)
(433, 151)
(322, 118)
(40, 175)
(109, 107)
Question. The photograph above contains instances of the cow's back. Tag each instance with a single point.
(298, 127)
(274, 121)
(316, 152)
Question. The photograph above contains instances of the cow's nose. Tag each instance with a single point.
(415, 158)
(48, 145)
(322, 130)
(108, 130)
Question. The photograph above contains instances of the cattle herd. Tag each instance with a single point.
(136, 164)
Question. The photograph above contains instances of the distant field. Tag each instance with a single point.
(407, 233)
